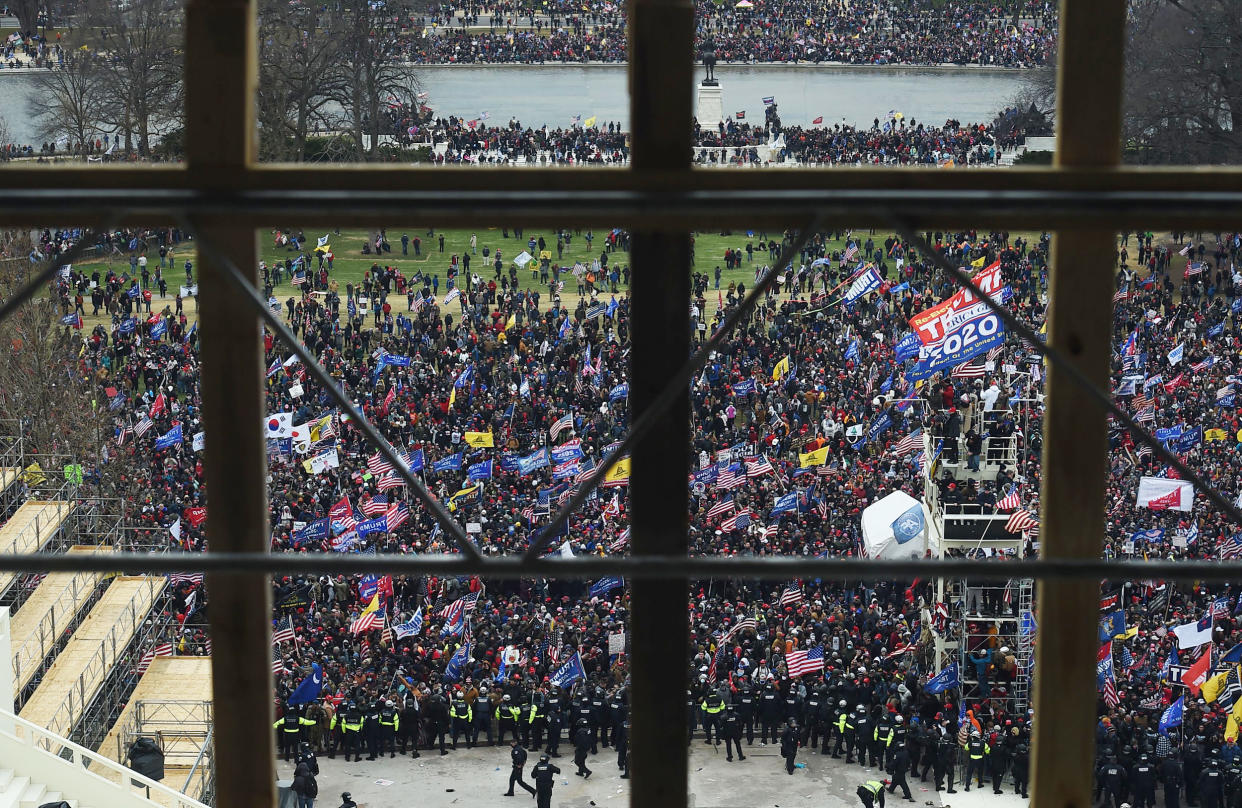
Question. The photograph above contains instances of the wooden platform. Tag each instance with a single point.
(42, 619)
(77, 672)
(186, 679)
(8, 475)
(29, 529)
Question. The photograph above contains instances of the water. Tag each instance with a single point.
(554, 95)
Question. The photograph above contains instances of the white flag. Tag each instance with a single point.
(278, 425)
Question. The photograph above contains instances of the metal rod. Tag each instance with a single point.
(675, 387)
(44, 275)
(251, 296)
(647, 567)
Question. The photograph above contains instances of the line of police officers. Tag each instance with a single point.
(895, 742)
(1129, 774)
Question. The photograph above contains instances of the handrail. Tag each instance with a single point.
(35, 736)
(36, 523)
(66, 602)
(198, 761)
(105, 657)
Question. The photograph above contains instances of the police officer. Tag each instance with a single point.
(289, 732)
(517, 755)
(770, 708)
(1022, 769)
(555, 709)
(977, 750)
(408, 726)
(864, 735)
(731, 731)
(899, 764)
(1108, 781)
(1143, 782)
(946, 761)
(744, 706)
(1171, 777)
(617, 712)
(371, 730)
(713, 708)
(582, 745)
(388, 723)
(872, 794)
(537, 721)
(849, 732)
(811, 719)
(308, 757)
(841, 716)
(524, 721)
(599, 719)
(584, 713)
(437, 719)
(1211, 785)
(1000, 764)
(882, 741)
(623, 749)
(789, 745)
(351, 726)
(481, 719)
(461, 717)
(1192, 763)
(506, 719)
(544, 775)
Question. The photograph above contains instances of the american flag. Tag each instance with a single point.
(1231, 691)
(460, 607)
(377, 465)
(725, 506)
(142, 426)
(769, 532)
(909, 444)
(1141, 400)
(1020, 520)
(1194, 268)
(1220, 607)
(1231, 547)
(284, 630)
(1110, 693)
(1121, 295)
(389, 482)
(278, 662)
(940, 619)
(386, 634)
(125, 434)
(160, 650)
(737, 521)
(759, 467)
(803, 662)
(397, 515)
(365, 622)
(528, 513)
(1010, 501)
(375, 505)
(622, 540)
(566, 421)
(742, 625)
(792, 594)
(850, 252)
(970, 370)
(713, 668)
(725, 480)
(186, 578)
(1199, 367)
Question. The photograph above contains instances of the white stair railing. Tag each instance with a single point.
(77, 772)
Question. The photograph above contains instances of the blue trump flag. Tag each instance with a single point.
(1172, 717)
(533, 461)
(417, 461)
(945, 680)
(786, 503)
(480, 471)
(909, 347)
(619, 392)
(570, 671)
(909, 525)
(1233, 657)
(1112, 625)
(744, 388)
(605, 585)
(450, 463)
(453, 670)
(170, 438)
(308, 691)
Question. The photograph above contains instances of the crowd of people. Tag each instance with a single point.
(876, 32)
(504, 390)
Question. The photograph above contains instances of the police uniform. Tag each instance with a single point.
(713, 709)
(461, 716)
(389, 721)
(544, 775)
(872, 794)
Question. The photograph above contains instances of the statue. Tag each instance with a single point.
(708, 54)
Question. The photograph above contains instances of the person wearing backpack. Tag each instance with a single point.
(304, 785)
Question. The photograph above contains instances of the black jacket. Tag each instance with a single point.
(518, 755)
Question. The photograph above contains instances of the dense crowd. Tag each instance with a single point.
(503, 390)
(765, 31)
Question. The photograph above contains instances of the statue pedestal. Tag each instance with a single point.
(710, 107)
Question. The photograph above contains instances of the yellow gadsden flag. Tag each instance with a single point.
(479, 440)
(1215, 434)
(1231, 723)
(816, 458)
(1210, 690)
(979, 262)
(618, 473)
(589, 122)
(782, 367)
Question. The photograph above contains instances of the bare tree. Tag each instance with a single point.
(300, 75)
(69, 104)
(27, 14)
(143, 44)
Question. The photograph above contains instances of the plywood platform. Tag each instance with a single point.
(80, 668)
(42, 619)
(184, 679)
(8, 475)
(29, 529)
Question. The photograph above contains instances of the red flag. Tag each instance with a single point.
(1197, 674)
(158, 405)
(818, 120)
(195, 516)
(392, 393)
(1173, 499)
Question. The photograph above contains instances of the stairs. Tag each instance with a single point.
(19, 792)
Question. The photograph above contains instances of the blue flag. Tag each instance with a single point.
(909, 347)
(480, 471)
(170, 438)
(618, 393)
(851, 353)
(744, 388)
(786, 503)
(605, 585)
(308, 691)
(129, 324)
(311, 531)
(1112, 625)
(1172, 717)
(570, 671)
(159, 329)
(1233, 657)
(417, 460)
(453, 670)
(945, 680)
(533, 461)
(910, 525)
(450, 463)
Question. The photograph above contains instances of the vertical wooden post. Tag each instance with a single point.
(661, 78)
(220, 143)
(1075, 461)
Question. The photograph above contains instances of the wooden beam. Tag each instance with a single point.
(661, 35)
(220, 145)
(1075, 462)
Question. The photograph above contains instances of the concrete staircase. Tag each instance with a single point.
(19, 792)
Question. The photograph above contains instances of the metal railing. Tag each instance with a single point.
(107, 653)
(34, 649)
(104, 773)
(43, 527)
(183, 732)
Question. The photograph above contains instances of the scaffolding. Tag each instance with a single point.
(183, 732)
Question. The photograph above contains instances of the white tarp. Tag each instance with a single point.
(877, 529)
(1161, 493)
